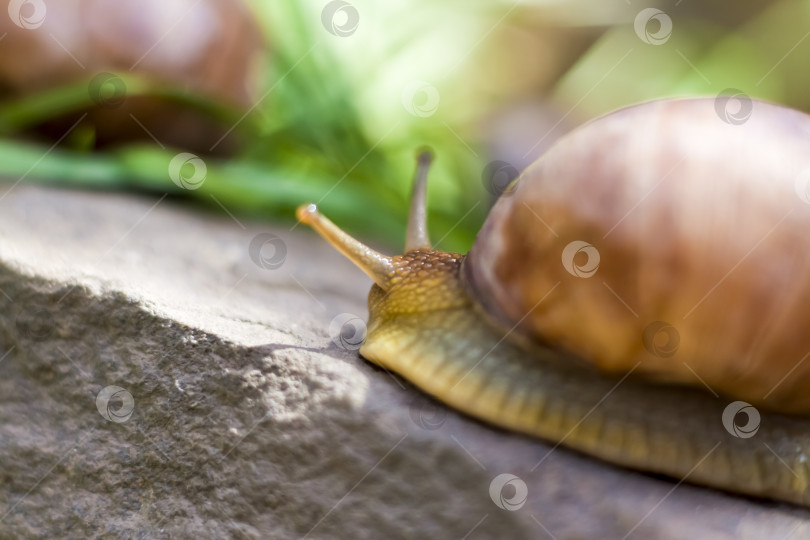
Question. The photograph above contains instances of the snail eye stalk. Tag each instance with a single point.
(417, 236)
(376, 265)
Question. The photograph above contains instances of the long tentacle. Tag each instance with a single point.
(417, 235)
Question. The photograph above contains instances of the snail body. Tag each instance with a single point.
(657, 219)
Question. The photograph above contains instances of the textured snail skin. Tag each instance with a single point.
(698, 223)
(428, 330)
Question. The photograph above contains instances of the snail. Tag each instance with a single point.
(634, 295)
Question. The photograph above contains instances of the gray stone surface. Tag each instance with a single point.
(248, 420)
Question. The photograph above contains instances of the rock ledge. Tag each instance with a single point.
(237, 415)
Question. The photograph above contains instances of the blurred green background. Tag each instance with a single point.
(327, 101)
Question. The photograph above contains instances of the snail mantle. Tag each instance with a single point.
(163, 375)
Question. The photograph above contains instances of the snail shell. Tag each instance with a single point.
(657, 217)
(694, 223)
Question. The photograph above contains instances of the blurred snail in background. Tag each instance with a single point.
(158, 64)
(634, 295)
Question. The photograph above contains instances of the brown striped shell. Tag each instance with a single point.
(668, 239)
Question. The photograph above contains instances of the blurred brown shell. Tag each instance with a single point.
(207, 48)
(671, 239)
